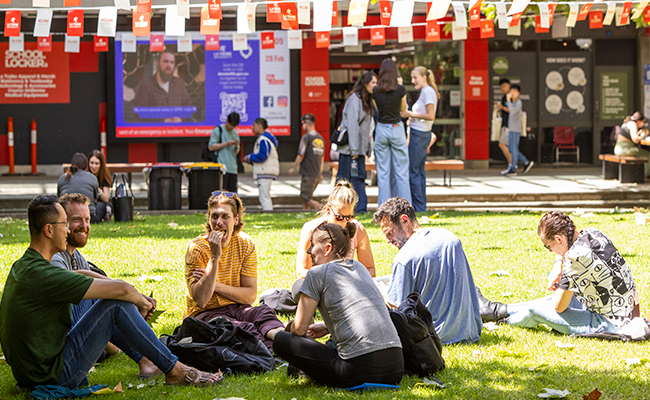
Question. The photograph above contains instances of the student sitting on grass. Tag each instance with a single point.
(339, 209)
(594, 287)
(221, 272)
(38, 339)
(368, 349)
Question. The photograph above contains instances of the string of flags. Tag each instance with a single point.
(395, 14)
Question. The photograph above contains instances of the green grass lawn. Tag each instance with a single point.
(150, 247)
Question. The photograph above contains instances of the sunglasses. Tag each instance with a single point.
(547, 247)
(340, 217)
(227, 194)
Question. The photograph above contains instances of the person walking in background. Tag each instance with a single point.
(422, 117)
(515, 126)
(310, 158)
(222, 138)
(391, 150)
(627, 141)
(357, 120)
(77, 179)
(97, 166)
(504, 85)
(264, 158)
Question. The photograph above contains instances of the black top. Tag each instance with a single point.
(389, 104)
(625, 132)
(504, 113)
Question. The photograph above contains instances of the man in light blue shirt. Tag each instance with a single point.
(224, 142)
(515, 125)
(432, 263)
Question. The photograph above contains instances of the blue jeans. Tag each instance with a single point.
(358, 182)
(576, 319)
(392, 162)
(418, 145)
(513, 147)
(88, 338)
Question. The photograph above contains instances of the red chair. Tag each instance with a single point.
(564, 143)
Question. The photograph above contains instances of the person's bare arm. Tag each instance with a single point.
(303, 260)
(404, 105)
(364, 253)
(304, 314)
(245, 294)
(105, 194)
(203, 289)
(297, 162)
(91, 274)
(562, 299)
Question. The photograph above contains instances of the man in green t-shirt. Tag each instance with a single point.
(35, 318)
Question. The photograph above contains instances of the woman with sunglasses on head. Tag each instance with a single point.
(339, 209)
(368, 349)
(593, 284)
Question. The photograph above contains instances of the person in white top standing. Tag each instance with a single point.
(422, 116)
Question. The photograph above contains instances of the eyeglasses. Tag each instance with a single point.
(547, 247)
(67, 224)
(340, 217)
(324, 227)
(227, 194)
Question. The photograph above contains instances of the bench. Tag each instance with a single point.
(119, 168)
(434, 165)
(625, 169)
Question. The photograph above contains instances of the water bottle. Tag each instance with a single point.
(354, 170)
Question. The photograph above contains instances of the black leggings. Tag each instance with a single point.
(324, 365)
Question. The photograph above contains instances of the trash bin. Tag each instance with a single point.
(203, 179)
(165, 186)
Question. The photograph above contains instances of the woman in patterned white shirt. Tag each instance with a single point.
(593, 285)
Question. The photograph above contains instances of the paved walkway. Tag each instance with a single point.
(542, 188)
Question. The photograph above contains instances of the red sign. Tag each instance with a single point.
(71, 3)
(335, 14)
(595, 20)
(44, 44)
(101, 43)
(289, 15)
(34, 77)
(487, 29)
(646, 15)
(144, 6)
(141, 23)
(315, 85)
(209, 26)
(322, 39)
(475, 16)
(551, 13)
(538, 26)
(515, 19)
(385, 12)
(273, 12)
(377, 36)
(433, 30)
(12, 23)
(476, 85)
(584, 12)
(214, 8)
(268, 40)
(157, 43)
(625, 15)
(212, 42)
(75, 23)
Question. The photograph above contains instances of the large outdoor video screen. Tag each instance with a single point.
(167, 94)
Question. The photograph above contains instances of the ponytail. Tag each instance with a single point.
(430, 78)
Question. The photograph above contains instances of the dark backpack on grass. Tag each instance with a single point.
(218, 345)
(421, 345)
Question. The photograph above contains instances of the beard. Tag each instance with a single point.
(75, 241)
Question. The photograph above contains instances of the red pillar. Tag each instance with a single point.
(315, 87)
(477, 118)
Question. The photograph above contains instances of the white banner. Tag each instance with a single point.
(502, 16)
(275, 82)
(40, 3)
(438, 9)
(295, 39)
(43, 23)
(107, 21)
(184, 43)
(458, 32)
(17, 43)
(544, 17)
(183, 8)
(123, 4)
(72, 44)
(239, 42)
(350, 35)
(514, 30)
(246, 18)
(611, 12)
(402, 13)
(323, 15)
(573, 15)
(128, 42)
(304, 12)
(460, 15)
(174, 24)
(405, 34)
(639, 9)
(518, 6)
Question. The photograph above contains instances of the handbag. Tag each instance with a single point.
(496, 125)
(210, 156)
(123, 200)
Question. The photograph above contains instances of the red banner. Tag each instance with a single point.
(72, 3)
(646, 15)
(551, 13)
(335, 14)
(595, 20)
(476, 85)
(214, 8)
(315, 85)
(377, 36)
(44, 44)
(385, 12)
(289, 16)
(209, 26)
(625, 15)
(433, 30)
(34, 77)
(141, 23)
(12, 23)
(268, 40)
(144, 6)
(515, 19)
(322, 39)
(75, 23)
(487, 29)
(101, 43)
(538, 26)
(475, 16)
(584, 12)
(273, 12)
(157, 43)
(212, 42)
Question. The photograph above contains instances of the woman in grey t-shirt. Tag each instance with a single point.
(368, 349)
(78, 180)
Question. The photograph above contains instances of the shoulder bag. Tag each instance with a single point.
(123, 200)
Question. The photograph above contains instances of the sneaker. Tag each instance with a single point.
(528, 167)
(508, 171)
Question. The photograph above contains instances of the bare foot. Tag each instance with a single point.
(111, 349)
(271, 334)
(147, 369)
(182, 374)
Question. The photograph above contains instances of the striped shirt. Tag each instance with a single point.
(237, 260)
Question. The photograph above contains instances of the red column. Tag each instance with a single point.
(315, 87)
(477, 119)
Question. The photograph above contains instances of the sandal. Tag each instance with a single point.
(199, 378)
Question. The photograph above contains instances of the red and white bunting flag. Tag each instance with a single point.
(433, 31)
(289, 16)
(214, 7)
(595, 19)
(378, 36)
(573, 15)
(475, 14)
(438, 9)
(75, 23)
(584, 12)
(212, 42)
(209, 26)
(44, 44)
(518, 7)
(625, 15)
(72, 3)
(141, 23)
(157, 43)
(639, 10)
(385, 12)
(538, 25)
(515, 20)
(459, 14)
(100, 43)
(273, 12)
(144, 6)
(487, 29)
(268, 40)
(12, 23)
(335, 14)
(357, 12)
(322, 39)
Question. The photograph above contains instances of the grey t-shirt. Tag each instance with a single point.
(352, 307)
(71, 262)
(81, 182)
(312, 146)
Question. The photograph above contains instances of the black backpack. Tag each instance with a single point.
(206, 154)
(421, 345)
(218, 345)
